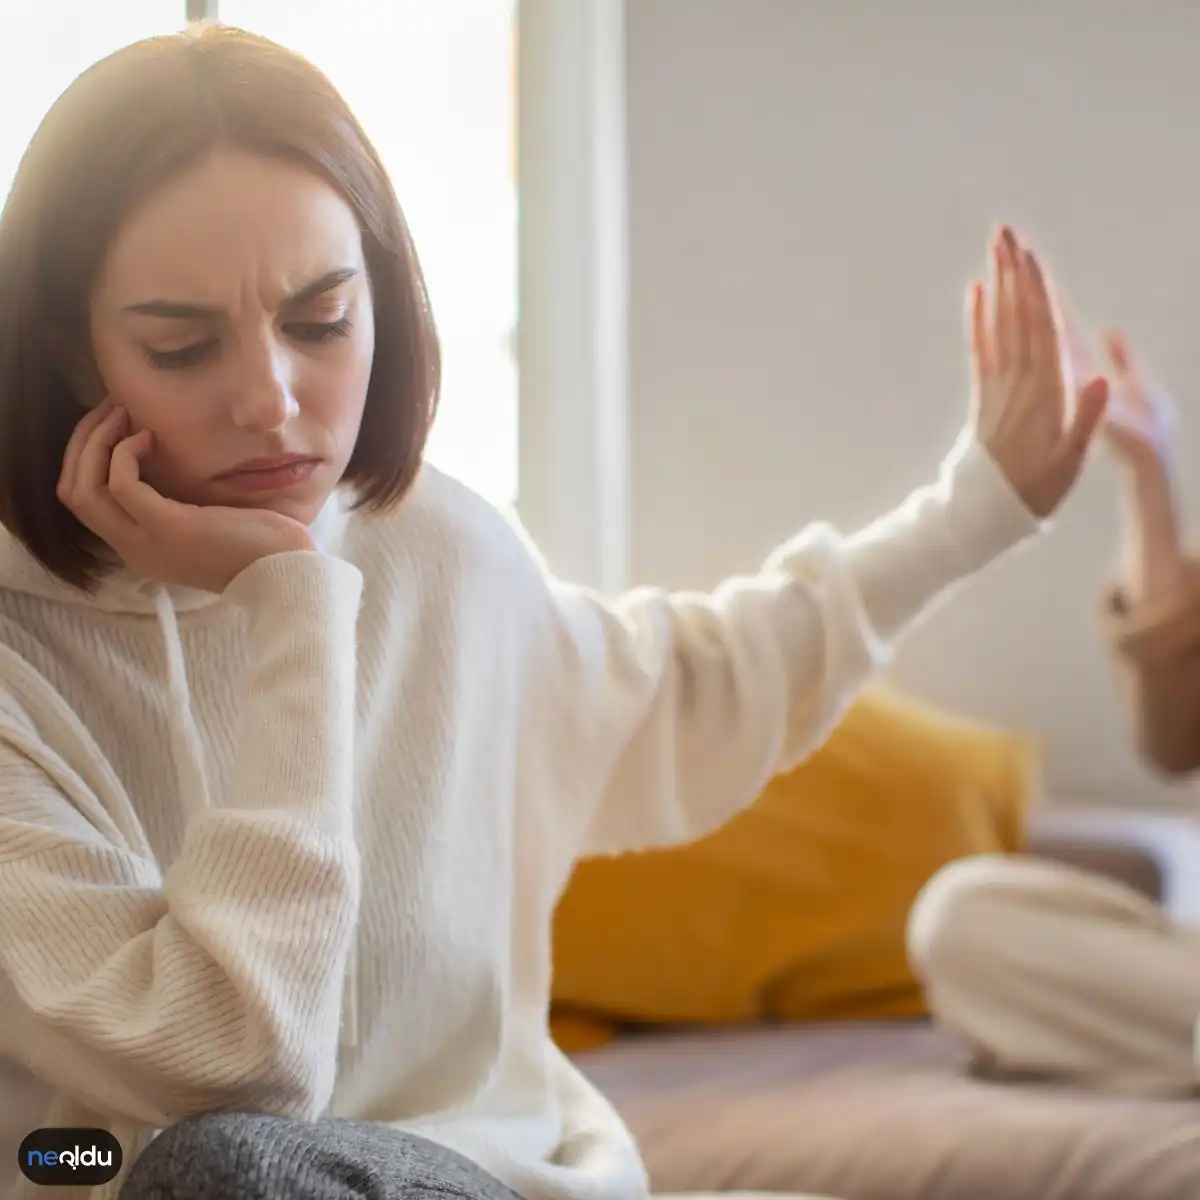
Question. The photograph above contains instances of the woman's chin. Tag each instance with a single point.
(304, 510)
(300, 502)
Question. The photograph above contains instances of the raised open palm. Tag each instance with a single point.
(1031, 411)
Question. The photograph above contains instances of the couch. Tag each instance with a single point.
(889, 1110)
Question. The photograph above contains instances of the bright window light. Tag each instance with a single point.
(46, 43)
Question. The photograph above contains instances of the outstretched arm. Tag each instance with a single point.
(693, 702)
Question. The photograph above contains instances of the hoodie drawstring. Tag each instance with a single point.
(348, 1039)
(188, 750)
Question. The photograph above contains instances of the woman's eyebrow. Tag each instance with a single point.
(188, 310)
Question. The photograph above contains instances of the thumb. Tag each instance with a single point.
(1090, 404)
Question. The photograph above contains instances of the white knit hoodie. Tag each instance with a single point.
(348, 792)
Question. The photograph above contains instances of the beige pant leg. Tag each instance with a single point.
(1050, 970)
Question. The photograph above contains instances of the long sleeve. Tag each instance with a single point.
(688, 704)
(1156, 652)
(217, 984)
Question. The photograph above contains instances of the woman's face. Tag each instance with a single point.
(232, 318)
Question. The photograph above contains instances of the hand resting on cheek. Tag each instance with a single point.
(197, 546)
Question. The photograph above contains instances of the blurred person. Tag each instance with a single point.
(1048, 970)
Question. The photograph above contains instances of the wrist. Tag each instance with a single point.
(1150, 504)
(1150, 476)
(1146, 484)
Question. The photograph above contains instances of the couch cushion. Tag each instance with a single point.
(882, 1112)
(806, 892)
(1110, 840)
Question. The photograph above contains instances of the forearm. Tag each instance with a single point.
(217, 984)
(297, 752)
(940, 536)
(1154, 623)
(709, 696)
(1153, 563)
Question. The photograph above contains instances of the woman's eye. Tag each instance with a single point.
(319, 331)
(186, 356)
(193, 355)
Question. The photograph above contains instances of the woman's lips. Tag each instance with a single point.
(271, 478)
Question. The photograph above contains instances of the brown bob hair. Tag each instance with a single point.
(126, 125)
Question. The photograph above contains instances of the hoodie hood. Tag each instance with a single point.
(122, 591)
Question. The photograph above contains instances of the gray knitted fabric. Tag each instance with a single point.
(245, 1156)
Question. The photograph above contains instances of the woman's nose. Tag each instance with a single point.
(264, 399)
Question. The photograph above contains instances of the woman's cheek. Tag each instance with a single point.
(165, 467)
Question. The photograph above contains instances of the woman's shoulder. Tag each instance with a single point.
(442, 522)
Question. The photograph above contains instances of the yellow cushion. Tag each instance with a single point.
(574, 1031)
(796, 908)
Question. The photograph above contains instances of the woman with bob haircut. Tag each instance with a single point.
(299, 739)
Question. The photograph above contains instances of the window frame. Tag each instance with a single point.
(574, 466)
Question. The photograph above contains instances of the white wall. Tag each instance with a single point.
(811, 183)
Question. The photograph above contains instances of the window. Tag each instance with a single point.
(46, 44)
(431, 81)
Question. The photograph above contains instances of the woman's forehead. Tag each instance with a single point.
(232, 222)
